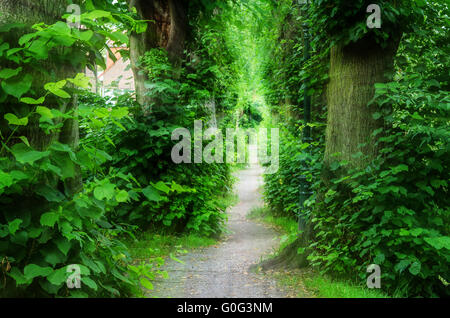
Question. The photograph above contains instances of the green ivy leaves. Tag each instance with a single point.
(56, 88)
(152, 194)
(105, 191)
(17, 86)
(122, 196)
(439, 242)
(14, 120)
(13, 226)
(32, 270)
(27, 155)
(32, 101)
(49, 219)
(8, 72)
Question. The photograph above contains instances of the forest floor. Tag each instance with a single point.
(222, 270)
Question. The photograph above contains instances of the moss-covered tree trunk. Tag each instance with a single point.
(354, 69)
(167, 29)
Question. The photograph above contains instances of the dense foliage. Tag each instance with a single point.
(79, 173)
(64, 204)
(394, 212)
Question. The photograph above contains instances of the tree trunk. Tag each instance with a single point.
(354, 70)
(179, 25)
(167, 29)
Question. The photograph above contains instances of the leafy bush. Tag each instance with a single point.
(395, 213)
(44, 226)
(185, 197)
(282, 189)
(50, 221)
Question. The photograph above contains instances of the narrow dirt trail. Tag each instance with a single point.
(222, 270)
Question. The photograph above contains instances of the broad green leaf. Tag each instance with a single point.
(64, 161)
(25, 154)
(49, 193)
(53, 256)
(85, 35)
(3, 47)
(80, 80)
(32, 101)
(32, 270)
(26, 38)
(415, 268)
(13, 51)
(18, 175)
(56, 88)
(439, 242)
(57, 146)
(402, 265)
(59, 276)
(89, 282)
(96, 14)
(20, 279)
(49, 219)
(6, 179)
(152, 194)
(62, 28)
(161, 186)
(35, 232)
(379, 259)
(104, 191)
(39, 49)
(122, 196)
(14, 120)
(17, 86)
(146, 283)
(45, 112)
(119, 112)
(399, 168)
(8, 72)
(14, 226)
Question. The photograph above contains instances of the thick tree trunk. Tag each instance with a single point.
(30, 12)
(354, 70)
(179, 25)
(168, 29)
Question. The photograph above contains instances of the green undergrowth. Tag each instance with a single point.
(286, 226)
(151, 249)
(162, 243)
(153, 244)
(308, 282)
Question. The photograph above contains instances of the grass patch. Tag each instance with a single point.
(308, 282)
(284, 224)
(150, 244)
(324, 286)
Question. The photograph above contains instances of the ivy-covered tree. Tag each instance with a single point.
(18, 17)
(378, 196)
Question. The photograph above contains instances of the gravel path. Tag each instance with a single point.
(222, 270)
